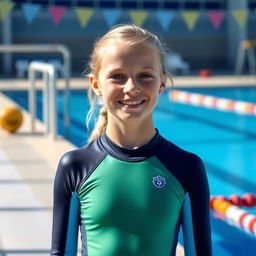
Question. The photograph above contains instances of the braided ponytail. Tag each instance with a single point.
(100, 125)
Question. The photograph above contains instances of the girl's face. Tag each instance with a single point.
(129, 81)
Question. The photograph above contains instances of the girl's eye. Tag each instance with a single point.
(145, 76)
(117, 76)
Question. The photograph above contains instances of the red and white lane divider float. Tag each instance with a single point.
(222, 104)
(231, 209)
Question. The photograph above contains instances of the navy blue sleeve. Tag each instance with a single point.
(195, 213)
(72, 171)
(65, 210)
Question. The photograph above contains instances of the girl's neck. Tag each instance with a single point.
(132, 136)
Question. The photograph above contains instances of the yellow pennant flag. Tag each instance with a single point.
(5, 8)
(138, 17)
(240, 17)
(190, 18)
(84, 15)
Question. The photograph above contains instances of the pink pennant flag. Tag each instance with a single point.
(57, 13)
(216, 18)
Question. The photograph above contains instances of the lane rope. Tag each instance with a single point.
(222, 104)
(230, 207)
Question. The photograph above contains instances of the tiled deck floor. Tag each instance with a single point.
(27, 167)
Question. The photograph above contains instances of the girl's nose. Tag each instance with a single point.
(131, 86)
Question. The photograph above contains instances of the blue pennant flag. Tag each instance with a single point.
(30, 11)
(165, 18)
(111, 16)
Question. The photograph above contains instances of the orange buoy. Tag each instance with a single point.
(11, 119)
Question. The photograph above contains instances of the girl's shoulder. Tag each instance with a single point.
(186, 166)
(170, 150)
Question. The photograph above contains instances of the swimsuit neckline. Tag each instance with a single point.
(138, 154)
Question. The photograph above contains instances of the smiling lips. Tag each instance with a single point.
(131, 102)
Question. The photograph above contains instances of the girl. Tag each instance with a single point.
(129, 189)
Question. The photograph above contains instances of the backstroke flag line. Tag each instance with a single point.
(30, 11)
(240, 16)
(216, 18)
(165, 18)
(5, 8)
(112, 16)
(190, 18)
(139, 17)
(57, 13)
(84, 15)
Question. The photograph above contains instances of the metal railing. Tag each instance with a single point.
(246, 46)
(47, 48)
(49, 96)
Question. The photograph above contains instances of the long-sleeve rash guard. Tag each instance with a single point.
(130, 202)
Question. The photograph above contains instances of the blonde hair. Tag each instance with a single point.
(131, 34)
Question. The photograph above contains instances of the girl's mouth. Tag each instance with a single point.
(131, 102)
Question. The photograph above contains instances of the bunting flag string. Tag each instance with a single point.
(138, 17)
(190, 18)
(57, 13)
(165, 18)
(30, 11)
(112, 16)
(240, 16)
(5, 8)
(216, 18)
(84, 15)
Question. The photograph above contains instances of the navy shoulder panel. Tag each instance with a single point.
(75, 165)
(185, 166)
(72, 170)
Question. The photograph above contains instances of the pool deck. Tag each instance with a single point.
(27, 168)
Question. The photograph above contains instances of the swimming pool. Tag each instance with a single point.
(225, 141)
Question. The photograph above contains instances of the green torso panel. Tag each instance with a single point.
(125, 212)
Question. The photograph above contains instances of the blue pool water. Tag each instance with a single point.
(225, 141)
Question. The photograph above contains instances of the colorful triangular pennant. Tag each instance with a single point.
(190, 18)
(84, 15)
(30, 11)
(165, 18)
(5, 8)
(111, 16)
(138, 17)
(240, 16)
(57, 13)
(216, 18)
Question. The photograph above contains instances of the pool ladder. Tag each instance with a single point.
(49, 96)
(246, 46)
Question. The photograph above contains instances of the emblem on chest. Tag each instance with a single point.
(159, 181)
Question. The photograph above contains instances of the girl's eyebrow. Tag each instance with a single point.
(149, 67)
(115, 70)
(121, 69)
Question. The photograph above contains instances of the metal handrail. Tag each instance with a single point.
(44, 48)
(49, 95)
(246, 46)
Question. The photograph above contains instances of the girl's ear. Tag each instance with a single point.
(163, 83)
(95, 85)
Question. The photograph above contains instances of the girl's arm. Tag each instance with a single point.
(65, 211)
(195, 215)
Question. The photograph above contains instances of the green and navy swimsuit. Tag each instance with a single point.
(130, 202)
